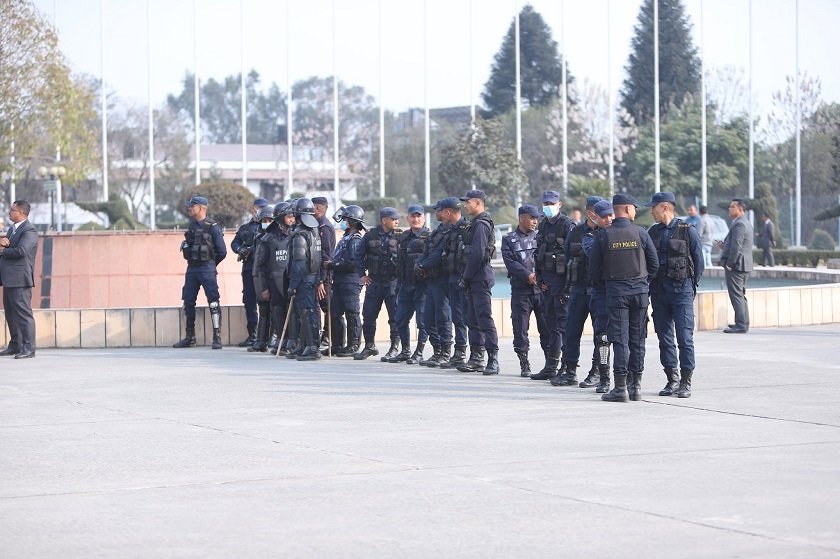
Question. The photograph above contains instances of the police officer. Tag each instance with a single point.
(453, 258)
(551, 274)
(672, 291)
(625, 258)
(411, 293)
(260, 278)
(431, 267)
(602, 215)
(305, 276)
(326, 230)
(347, 269)
(477, 280)
(243, 245)
(379, 251)
(526, 297)
(578, 304)
(203, 249)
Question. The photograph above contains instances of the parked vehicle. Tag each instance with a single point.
(719, 231)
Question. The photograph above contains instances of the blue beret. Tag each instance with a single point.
(198, 201)
(451, 203)
(415, 209)
(260, 202)
(592, 200)
(661, 197)
(474, 194)
(603, 208)
(551, 196)
(624, 200)
(388, 212)
(529, 209)
(319, 200)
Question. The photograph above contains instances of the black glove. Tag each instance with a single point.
(291, 293)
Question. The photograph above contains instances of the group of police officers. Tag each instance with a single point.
(607, 268)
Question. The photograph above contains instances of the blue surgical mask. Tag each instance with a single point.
(264, 225)
(342, 225)
(551, 211)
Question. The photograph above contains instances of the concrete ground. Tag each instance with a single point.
(201, 453)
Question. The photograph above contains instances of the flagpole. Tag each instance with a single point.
(104, 101)
(151, 116)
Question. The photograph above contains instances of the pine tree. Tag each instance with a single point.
(679, 64)
(540, 66)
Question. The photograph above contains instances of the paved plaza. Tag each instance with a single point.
(200, 453)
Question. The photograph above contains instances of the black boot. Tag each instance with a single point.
(549, 370)
(295, 350)
(435, 355)
(603, 379)
(403, 355)
(310, 353)
(685, 384)
(352, 346)
(189, 339)
(591, 378)
(619, 393)
(252, 336)
(368, 351)
(568, 377)
(393, 351)
(261, 335)
(634, 386)
(417, 356)
(443, 357)
(217, 338)
(673, 382)
(492, 367)
(475, 364)
(459, 357)
(337, 342)
(524, 364)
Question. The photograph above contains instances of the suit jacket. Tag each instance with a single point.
(17, 262)
(767, 236)
(738, 246)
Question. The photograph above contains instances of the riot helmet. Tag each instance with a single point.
(351, 214)
(264, 212)
(283, 209)
(305, 210)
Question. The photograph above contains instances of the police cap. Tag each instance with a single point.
(415, 209)
(529, 209)
(592, 200)
(661, 197)
(624, 200)
(451, 203)
(551, 196)
(389, 213)
(474, 194)
(603, 208)
(260, 202)
(198, 201)
(319, 200)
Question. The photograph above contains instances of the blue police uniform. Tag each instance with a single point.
(326, 230)
(477, 280)
(411, 297)
(672, 296)
(347, 270)
(305, 273)
(518, 249)
(625, 258)
(379, 252)
(431, 266)
(243, 244)
(453, 261)
(597, 292)
(271, 273)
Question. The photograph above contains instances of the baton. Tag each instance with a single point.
(329, 321)
(285, 325)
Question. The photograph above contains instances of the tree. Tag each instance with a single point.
(480, 159)
(679, 65)
(229, 202)
(221, 109)
(540, 66)
(42, 105)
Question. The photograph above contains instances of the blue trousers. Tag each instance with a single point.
(308, 313)
(438, 311)
(521, 307)
(627, 331)
(480, 316)
(411, 300)
(249, 297)
(674, 312)
(578, 308)
(555, 313)
(458, 306)
(376, 294)
(193, 280)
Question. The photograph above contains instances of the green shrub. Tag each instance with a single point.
(821, 240)
(799, 258)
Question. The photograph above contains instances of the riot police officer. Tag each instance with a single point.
(672, 291)
(431, 267)
(203, 249)
(551, 273)
(477, 280)
(347, 269)
(305, 276)
(380, 260)
(578, 304)
(602, 215)
(625, 258)
(411, 297)
(260, 278)
(243, 244)
(326, 230)
(518, 248)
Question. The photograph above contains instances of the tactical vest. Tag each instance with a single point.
(524, 249)
(381, 254)
(452, 254)
(679, 266)
(306, 247)
(624, 257)
(248, 234)
(437, 241)
(551, 249)
(259, 261)
(343, 259)
(469, 234)
(578, 270)
(198, 246)
(410, 247)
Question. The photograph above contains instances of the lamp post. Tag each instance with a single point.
(52, 184)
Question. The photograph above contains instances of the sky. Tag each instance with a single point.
(596, 46)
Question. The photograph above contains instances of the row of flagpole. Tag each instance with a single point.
(563, 86)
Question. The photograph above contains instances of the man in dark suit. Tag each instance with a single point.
(767, 240)
(17, 275)
(737, 260)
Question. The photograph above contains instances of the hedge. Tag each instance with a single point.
(798, 258)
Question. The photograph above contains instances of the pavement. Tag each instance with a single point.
(201, 453)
